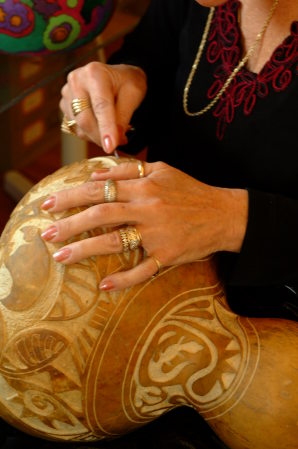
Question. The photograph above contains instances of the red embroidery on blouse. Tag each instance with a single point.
(225, 48)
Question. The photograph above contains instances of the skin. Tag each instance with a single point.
(176, 225)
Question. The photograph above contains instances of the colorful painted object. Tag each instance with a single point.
(44, 26)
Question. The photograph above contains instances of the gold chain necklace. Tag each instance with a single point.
(235, 71)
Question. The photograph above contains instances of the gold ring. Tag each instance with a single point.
(80, 104)
(141, 169)
(110, 191)
(131, 238)
(67, 126)
(159, 266)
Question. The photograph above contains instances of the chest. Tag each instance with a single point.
(251, 131)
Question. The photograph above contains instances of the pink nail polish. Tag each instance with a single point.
(49, 233)
(49, 203)
(107, 144)
(106, 285)
(62, 254)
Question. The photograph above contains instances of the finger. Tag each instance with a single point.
(87, 125)
(65, 102)
(103, 105)
(109, 243)
(125, 170)
(140, 273)
(113, 214)
(87, 194)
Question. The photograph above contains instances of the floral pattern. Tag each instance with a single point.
(224, 48)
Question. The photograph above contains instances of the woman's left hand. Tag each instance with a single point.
(179, 219)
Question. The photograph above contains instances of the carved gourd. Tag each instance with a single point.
(78, 364)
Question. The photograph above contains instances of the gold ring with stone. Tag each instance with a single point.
(141, 169)
(80, 104)
(131, 238)
(110, 191)
(68, 125)
(159, 266)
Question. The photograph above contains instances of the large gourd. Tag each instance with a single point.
(78, 364)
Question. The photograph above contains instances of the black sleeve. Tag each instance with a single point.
(269, 254)
(153, 46)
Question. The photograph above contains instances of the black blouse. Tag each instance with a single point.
(247, 140)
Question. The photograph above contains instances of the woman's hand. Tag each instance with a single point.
(114, 91)
(179, 218)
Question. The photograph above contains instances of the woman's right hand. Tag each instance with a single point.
(114, 91)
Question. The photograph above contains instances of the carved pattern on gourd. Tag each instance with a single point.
(191, 369)
(52, 376)
(42, 370)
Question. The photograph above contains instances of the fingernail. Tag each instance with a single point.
(49, 233)
(49, 203)
(107, 144)
(62, 254)
(106, 285)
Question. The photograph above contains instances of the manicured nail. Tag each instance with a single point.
(49, 233)
(49, 203)
(106, 285)
(62, 254)
(107, 144)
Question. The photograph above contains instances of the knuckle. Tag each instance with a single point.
(63, 229)
(148, 187)
(64, 90)
(104, 209)
(126, 166)
(92, 190)
(159, 165)
(115, 240)
(71, 76)
(94, 213)
(93, 67)
(80, 133)
(157, 205)
(78, 250)
(84, 122)
(100, 105)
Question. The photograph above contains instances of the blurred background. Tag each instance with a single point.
(31, 144)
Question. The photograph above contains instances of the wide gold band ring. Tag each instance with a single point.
(110, 191)
(141, 169)
(131, 238)
(67, 126)
(80, 104)
(158, 264)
